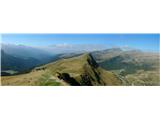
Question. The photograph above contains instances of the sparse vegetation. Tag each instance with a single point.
(144, 78)
(46, 80)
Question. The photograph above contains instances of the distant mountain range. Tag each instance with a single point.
(19, 59)
(113, 66)
(130, 61)
(12, 63)
(23, 51)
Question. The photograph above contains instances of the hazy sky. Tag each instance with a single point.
(147, 42)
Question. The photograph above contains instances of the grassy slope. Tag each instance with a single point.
(23, 79)
(79, 66)
(75, 67)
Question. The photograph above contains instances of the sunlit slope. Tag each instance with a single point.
(81, 70)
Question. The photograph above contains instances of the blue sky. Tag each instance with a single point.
(146, 42)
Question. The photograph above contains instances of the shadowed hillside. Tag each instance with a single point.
(12, 65)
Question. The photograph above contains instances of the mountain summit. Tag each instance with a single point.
(81, 70)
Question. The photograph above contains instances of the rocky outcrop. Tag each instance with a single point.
(66, 77)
